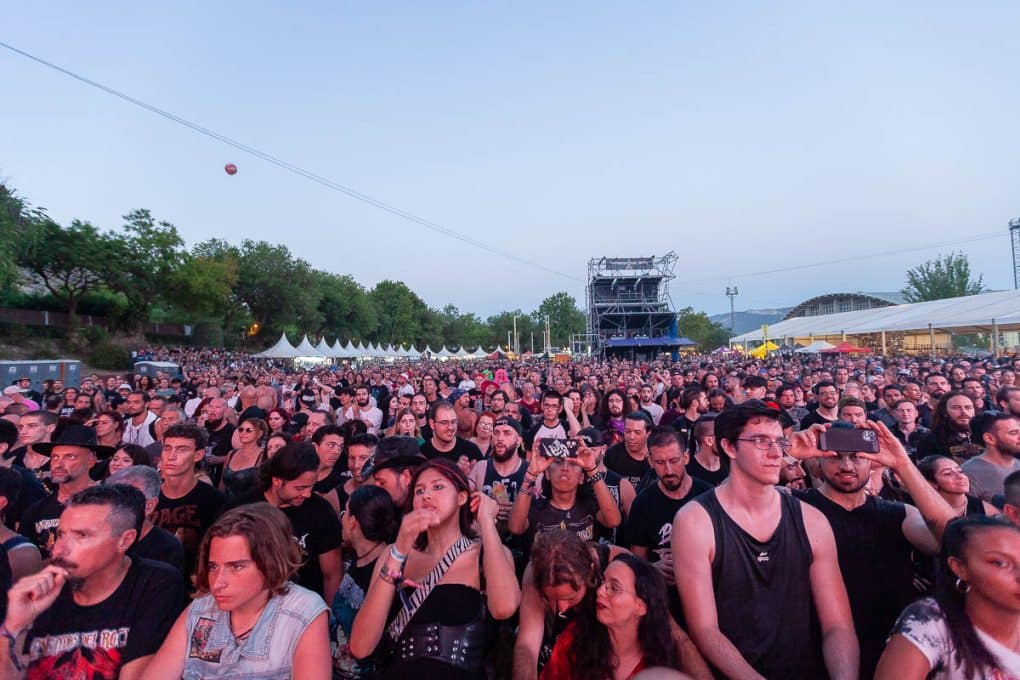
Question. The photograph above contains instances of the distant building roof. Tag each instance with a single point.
(834, 303)
(969, 314)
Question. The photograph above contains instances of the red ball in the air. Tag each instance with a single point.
(230, 168)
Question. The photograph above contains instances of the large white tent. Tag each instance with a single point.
(983, 313)
(305, 349)
(281, 350)
(324, 348)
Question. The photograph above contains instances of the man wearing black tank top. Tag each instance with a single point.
(757, 569)
(875, 538)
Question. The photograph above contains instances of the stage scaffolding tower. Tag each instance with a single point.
(628, 297)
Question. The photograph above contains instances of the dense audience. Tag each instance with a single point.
(839, 516)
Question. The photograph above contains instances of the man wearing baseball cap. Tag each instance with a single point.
(501, 475)
(72, 455)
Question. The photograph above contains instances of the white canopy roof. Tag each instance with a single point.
(969, 314)
(479, 353)
(324, 348)
(429, 351)
(462, 353)
(444, 353)
(281, 350)
(814, 348)
(413, 353)
(305, 349)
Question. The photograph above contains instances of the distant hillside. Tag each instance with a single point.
(750, 319)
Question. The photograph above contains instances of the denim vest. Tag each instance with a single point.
(268, 652)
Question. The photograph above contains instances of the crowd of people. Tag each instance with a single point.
(529, 519)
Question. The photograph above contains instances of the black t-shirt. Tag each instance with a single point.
(335, 478)
(188, 517)
(619, 461)
(461, 447)
(160, 545)
(650, 525)
(40, 521)
(72, 641)
(317, 529)
(542, 516)
(814, 418)
(713, 477)
(875, 560)
(31, 492)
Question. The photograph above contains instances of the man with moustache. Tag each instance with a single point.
(94, 611)
(875, 538)
(71, 457)
(502, 475)
(650, 522)
(137, 418)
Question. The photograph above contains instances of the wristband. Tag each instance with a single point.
(595, 478)
(590, 470)
(12, 647)
(397, 555)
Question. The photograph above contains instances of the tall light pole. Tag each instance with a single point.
(1014, 238)
(517, 344)
(732, 293)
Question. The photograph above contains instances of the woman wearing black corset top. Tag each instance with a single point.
(429, 595)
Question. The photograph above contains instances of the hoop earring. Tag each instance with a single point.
(962, 586)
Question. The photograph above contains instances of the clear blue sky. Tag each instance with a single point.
(747, 137)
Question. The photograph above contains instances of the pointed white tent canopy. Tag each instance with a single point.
(281, 350)
(479, 353)
(428, 350)
(444, 353)
(814, 348)
(305, 349)
(348, 351)
(324, 348)
(389, 351)
(462, 353)
(413, 353)
(335, 349)
(400, 352)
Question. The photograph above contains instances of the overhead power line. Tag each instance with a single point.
(290, 167)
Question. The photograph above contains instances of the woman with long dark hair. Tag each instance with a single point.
(631, 629)
(426, 603)
(945, 475)
(562, 587)
(970, 630)
(368, 523)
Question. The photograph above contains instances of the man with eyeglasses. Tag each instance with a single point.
(444, 441)
(757, 569)
(550, 427)
(875, 538)
(827, 396)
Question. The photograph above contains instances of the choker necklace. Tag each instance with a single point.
(358, 558)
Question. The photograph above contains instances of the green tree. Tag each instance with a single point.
(345, 307)
(16, 220)
(141, 262)
(565, 319)
(698, 327)
(64, 261)
(277, 289)
(503, 323)
(402, 315)
(946, 276)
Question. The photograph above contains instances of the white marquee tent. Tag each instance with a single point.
(281, 350)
